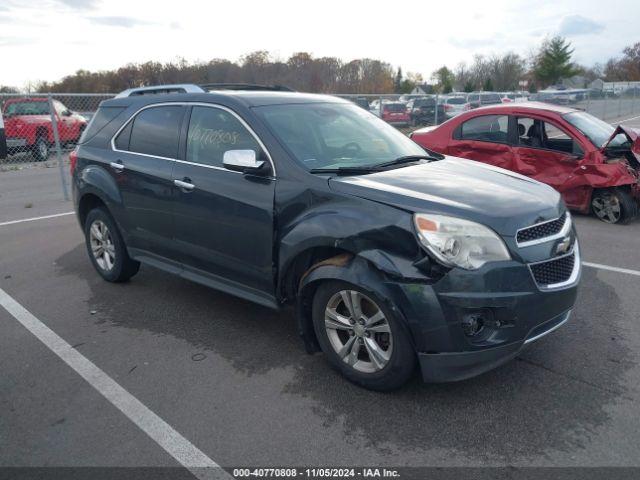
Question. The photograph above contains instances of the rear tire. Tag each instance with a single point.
(373, 350)
(106, 248)
(615, 205)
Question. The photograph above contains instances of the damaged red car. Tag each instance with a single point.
(595, 166)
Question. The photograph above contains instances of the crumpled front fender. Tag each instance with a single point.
(356, 270)
(602, 175)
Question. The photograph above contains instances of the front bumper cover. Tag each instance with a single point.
(452, 367)
(515, 310)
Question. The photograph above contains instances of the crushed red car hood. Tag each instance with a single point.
(633, 136)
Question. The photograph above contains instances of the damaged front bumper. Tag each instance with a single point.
(468, 323)
(454, 366)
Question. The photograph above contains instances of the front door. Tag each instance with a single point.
(65, 122)
(224, 219)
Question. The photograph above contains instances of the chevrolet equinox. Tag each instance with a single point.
(392, 255)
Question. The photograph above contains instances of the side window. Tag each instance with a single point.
(59, 107)
(122, 140)
(213, 131)
(537, 133)
(155, 131)
(487, 128)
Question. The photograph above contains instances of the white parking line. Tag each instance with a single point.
(628, 271)
(187, 454)
(628, 119)
(33, 219)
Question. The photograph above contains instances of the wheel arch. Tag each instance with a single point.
(345, 267)
(88, 202)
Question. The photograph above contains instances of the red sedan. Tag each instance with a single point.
(592, 164)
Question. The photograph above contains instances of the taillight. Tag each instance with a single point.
(447, 107)
(73, 159)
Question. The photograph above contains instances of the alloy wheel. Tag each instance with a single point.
(607, 207)
(102, 246)
(43, 150)
(358, 331)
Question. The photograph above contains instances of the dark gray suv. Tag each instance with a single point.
(392, 256)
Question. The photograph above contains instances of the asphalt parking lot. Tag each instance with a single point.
(233, 379)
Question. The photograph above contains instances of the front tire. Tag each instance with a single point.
(614, 205)
(361, 337)
(40, 149)
(106, 248)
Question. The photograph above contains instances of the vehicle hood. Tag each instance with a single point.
(632, 135)
(498, 198)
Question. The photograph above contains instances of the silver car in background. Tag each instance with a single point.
(454, 105)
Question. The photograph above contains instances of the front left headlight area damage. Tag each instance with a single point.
(468, 304)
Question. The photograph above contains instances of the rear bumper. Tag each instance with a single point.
(16, 142)
(452, 367)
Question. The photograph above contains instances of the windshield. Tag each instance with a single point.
(395, 107)
(595, 129)
(27, 108)
(328, 135)
(490, 97)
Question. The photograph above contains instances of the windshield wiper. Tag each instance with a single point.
(409, 159)
(347, 170)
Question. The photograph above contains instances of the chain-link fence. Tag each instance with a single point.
(37, 124)
(42, 128)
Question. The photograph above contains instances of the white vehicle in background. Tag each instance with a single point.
(454, 105)
(509, 97)
(3, 139)
(374, 106)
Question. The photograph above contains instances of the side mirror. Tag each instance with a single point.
(244, 161)
(67, 113)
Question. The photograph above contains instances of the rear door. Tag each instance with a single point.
(223, 218)
(484, 138)
(145, 152)
(546, 152)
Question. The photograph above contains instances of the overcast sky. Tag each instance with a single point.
(47, 39)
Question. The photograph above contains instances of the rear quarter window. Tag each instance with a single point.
(103, 117)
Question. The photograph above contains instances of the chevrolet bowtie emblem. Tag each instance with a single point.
(563, 246)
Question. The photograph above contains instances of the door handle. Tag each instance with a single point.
(117, 166)
(184, 184)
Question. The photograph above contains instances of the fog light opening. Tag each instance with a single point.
(472, 324)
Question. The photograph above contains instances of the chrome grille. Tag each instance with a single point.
(541, 230)
(554, 271)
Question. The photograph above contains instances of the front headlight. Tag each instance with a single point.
(455, 242)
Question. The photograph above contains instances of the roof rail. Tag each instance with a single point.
(161, 89)
(245, 86)
(192, 88)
